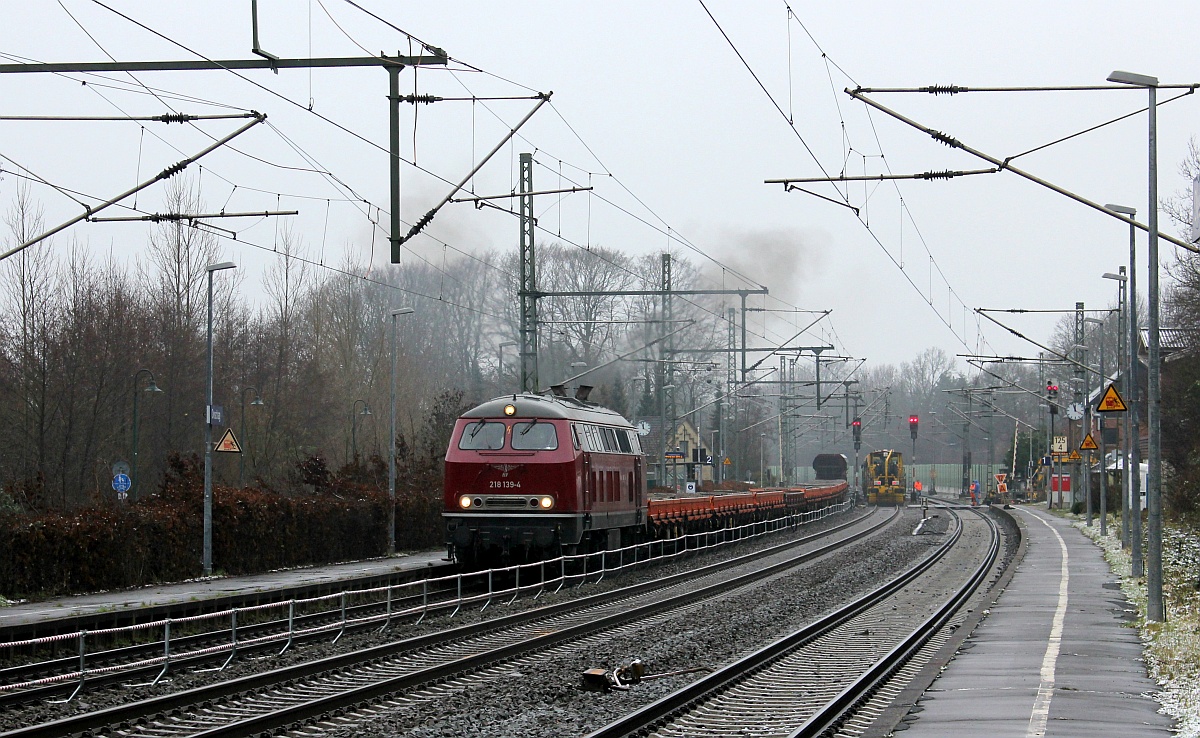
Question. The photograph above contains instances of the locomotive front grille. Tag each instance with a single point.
(507, 502)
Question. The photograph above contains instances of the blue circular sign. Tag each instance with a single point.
(121, 483)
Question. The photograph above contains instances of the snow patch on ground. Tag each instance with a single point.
(1172, 649)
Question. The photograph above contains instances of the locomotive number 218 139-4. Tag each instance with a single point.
(504, 484)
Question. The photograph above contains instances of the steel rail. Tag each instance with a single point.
(346, 699)
(143, 659)
(257, 683)
(841, 707)
(250, 639)
(657, 713)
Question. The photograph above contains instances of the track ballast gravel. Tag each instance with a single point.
(98, 698)
(549, 700)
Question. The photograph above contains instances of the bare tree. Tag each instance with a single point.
(175, 271)
(29, 292)
(924, 377)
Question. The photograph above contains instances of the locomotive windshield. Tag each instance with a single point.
(534, 436)
(482, 436)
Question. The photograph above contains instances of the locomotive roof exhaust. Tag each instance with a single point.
(558, 390)
(582, 392)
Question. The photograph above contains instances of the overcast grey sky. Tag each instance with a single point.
(653, 107)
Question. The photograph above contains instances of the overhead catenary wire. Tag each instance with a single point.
(842, 198)
(315, 170)
(292, 102)
(164, 118)
(957, 144)
(828, 61)
(664, 229)
(164, 174)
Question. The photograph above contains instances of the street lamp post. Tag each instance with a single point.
(716, 456)
(662, 440)
(1088, 425)
(152, 387)
(1154, 598)
(1133, 464)
(391, 524)
(258, 400)
(762, 444)
(208, 423)
(1123, 308)
(1055, 479)
(354, 426)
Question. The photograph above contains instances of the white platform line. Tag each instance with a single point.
(1041, 704)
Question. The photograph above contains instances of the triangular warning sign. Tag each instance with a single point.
(1074, 456)
(1089, 443)
(1111, 402)
(228, 443)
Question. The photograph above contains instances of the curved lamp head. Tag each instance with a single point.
(1129, 78)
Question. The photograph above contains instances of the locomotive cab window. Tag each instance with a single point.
(482, 436)
(534, 436)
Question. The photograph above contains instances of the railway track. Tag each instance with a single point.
(152, 660)
(118, 665)
(306, 692)
(814, 681)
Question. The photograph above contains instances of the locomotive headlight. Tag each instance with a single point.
(510, 409)
(464, 502)
(546, 502)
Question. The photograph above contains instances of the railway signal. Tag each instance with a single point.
(857, 426)
(913, 423)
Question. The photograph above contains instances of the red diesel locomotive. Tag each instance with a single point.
(530, 476)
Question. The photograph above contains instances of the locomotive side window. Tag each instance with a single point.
(610, 439)
(482, 436)
(575, 437)
(623, 441)
(534, 436)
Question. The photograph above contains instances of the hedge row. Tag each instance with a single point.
(160, 539)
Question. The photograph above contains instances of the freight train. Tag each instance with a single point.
(530, 476)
